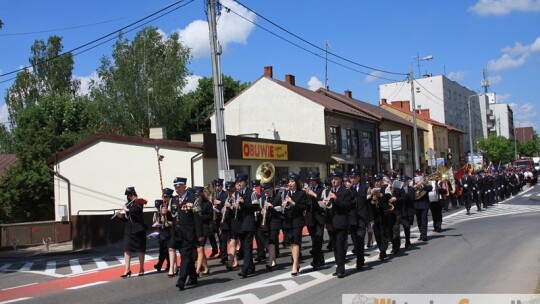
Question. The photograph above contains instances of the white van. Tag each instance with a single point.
(536, 163)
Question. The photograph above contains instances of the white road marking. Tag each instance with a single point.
(15, 300)
(87, 285)
(51, 267)
(27, 266)
(75, 266)
(25, 285)
(5, 267)
(101, 264)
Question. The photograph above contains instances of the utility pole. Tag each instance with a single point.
(221, 139)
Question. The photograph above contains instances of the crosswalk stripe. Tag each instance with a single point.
(27, 266)
(51, 267)
(120, 259)
(75, 266)
(527, 195)
(101, 264)
(5, 267)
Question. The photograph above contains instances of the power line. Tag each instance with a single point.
(310, 43)
(60, 29)
(105, 36)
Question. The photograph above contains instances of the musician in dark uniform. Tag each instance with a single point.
(294, 204)
(134, 231)
(162, 221)
(219, 199)
(203, 210)
(229, 219)
(405, 203)
(185, 233)
(179, 184)
(271, 223)
(315, 218)
(381, 215)
(421, 204)
(467, 183)
(247, 209)
(361, 209)
(256, 196)
(339, 200)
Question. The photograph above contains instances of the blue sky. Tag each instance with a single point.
(464, 37)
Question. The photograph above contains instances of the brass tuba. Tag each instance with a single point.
(419, 191)
(265, 172)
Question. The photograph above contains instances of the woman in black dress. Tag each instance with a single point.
(135, 230)
(294, 204)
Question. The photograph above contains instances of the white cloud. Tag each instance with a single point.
(314, 83)
(457, 76)
(85, 82)
(495, 79)
(504, 7)
(514, 57)
(230, 28)
(373, 76)
(4, 115)
(505, 98)
(192, 83)
(524, 115)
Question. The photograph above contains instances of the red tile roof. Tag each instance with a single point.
(6, 161)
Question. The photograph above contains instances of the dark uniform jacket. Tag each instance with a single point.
(341, 207)
(134, 220)
(247, 210)
(360, 205)
(315, 215)
(294, 215)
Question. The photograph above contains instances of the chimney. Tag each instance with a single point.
(289, 79)
(383, 101)
(424, 113)
(404, 105)
(348, 94)
(268, 71)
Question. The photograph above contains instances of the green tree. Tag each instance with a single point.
(496, 149)
(201, 101)
(52, 125)
(50, 72)
(141, 86)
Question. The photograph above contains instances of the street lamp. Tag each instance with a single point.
(470, 128)
(415, 135)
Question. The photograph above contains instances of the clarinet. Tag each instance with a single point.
(236, 209)
(265, 210)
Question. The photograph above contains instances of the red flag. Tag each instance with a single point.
(460, 172)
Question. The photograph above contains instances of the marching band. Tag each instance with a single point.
(345, 206)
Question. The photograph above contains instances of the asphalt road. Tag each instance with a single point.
(493, 251)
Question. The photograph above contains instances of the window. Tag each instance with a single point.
(335, 140)
(367, 144)
(408, 141)
(350, 149)
(356, 145)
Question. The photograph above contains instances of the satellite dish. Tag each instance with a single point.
(273, 127)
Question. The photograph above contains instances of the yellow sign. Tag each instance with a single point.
(259, 150)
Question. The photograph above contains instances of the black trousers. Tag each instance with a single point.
(436, 214)
(316, 233)
(163, 254)
(421, 221)
(396, 237)
(338, 237)
(260, 246)
(383, 233)
(360, 235)
(467, 199)
(186, 245)
(247, 240)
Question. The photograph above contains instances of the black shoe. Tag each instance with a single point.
(425, 239)
(394, 251)
(360, 266)
(223, 261)
(334, 274)
(382, 256)
(180, 285)
(158, 268)
(191, 282)
(269, 268)
(242, 274)
(407, 245)
(341, 275)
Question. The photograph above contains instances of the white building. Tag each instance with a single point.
(503, 118)
(447, 101)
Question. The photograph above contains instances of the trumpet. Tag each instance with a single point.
(264, 211)
(125, 205)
